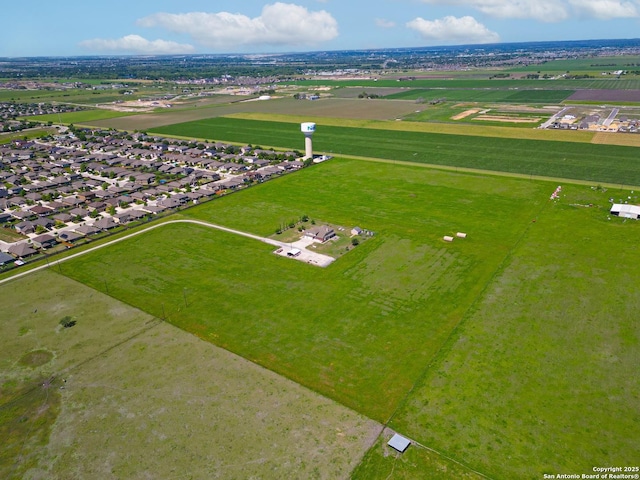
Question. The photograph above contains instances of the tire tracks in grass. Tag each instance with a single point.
(453, 336)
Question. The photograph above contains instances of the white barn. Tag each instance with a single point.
(625, 211)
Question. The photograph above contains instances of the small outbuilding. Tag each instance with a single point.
(625, 211)
(399, 443)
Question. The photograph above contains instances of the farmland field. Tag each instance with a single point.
(434, 119)
(482, 349)
(496, 331)
(545, 350)
(330, 107)
(600, 163)
(122, 395)
(485, 95)
(359, 330)
(610, 96)
(629, 83)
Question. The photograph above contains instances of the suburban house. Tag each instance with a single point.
(44, 241)
(5, 258)
(21, 250)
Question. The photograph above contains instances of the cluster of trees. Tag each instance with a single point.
(292, 224)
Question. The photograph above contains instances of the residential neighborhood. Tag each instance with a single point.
(65, 190)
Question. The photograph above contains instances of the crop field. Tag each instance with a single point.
(330, 107)
(121, 394)
(592, 65)
(488, 350)
(439, 119)
(615, 96)
(625, 83)
(485, 95)
(579, 161)
(76, 96)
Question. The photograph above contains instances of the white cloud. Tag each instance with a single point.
(450, 29)
(278, 24)
(549, 10)
(382, 23)
(605, 9)
(137, 44)
(544, 10)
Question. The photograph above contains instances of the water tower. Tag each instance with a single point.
(308, 128)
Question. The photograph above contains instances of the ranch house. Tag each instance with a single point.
(321, 234)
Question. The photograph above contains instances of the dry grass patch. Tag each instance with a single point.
(123, 395)
(622, 139)
(508, 119)
(465, 114)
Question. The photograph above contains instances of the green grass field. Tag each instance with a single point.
(79, 118)
(549, 97)
(510, 353)
(385, 282)
(122, 395)
(540, 367)
(28, 134)
(594, 66)
(490, 350)
(599, 163)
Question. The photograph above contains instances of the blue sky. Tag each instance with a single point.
(73, 27)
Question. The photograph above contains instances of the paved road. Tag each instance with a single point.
(611, 117)
(270, 241)
(554, 118)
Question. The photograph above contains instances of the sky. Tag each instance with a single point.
(141, 27)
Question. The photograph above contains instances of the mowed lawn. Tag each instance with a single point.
(580, 161)
(122, 394)
(360, 331)
(542, 375)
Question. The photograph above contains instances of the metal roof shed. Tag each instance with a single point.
(625, 211)
(399, 443)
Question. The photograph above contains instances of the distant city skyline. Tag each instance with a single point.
(73, 28)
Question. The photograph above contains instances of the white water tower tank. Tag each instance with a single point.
(308, 128)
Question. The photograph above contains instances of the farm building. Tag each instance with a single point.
(322, 233)
(399, 443)
(625, 211)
